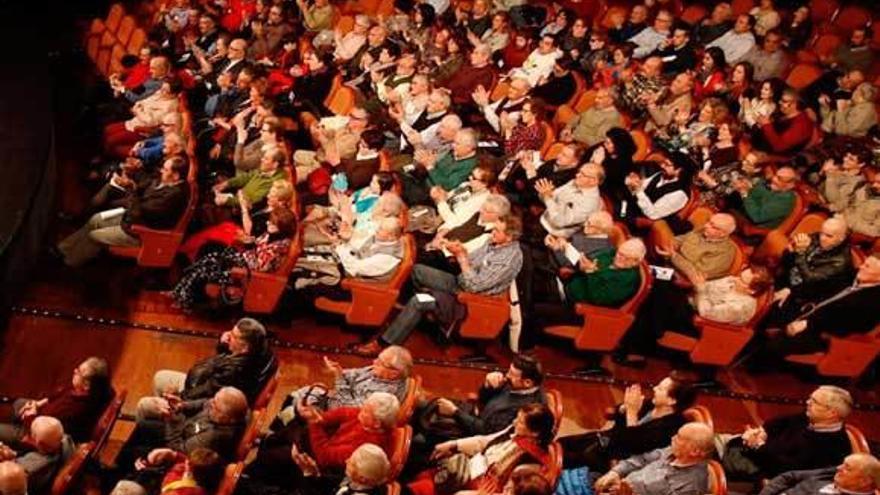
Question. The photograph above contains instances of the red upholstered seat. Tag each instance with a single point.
(400, 442)
(71, 470)
(486, 315)
(408, 404)
(846, 356)
(699, 414)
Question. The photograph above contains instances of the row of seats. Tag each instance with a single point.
(110, 39)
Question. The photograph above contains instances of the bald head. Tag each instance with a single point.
(719, 226)
(599, 222)
(47, 433)
(700, 436)
(13, 479)
(229, 405)
(833, 232)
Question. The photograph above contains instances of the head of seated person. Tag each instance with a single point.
(228, 406)
(527, 479)
(389, 230)
(859, 473)
(47, 434)
(828, 405)
(92, 378)
(272, 160)
(465, 144)
(536, 422)
(506, 230)
(379, 411)
(629, 254)
(785, 179)
(754, 280)
(720, 226)
(368, 466)
(525, 372)
(589, 176)
(248, 336)
(674, 394)
(280, 195)
(388, 205)
(206, 467)
(599, 224)
(393, 363)
(694, 443)
(13, 479)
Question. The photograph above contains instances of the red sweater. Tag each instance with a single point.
(789, 135)
(340, 433)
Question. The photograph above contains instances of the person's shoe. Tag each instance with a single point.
(370, 349)
(630, 360)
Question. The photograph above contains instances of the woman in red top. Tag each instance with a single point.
(525, 441)
(517, 51)
(710, 77)
(528, 134)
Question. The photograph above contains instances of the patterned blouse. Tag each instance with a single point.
(266, 254)
(524, 137)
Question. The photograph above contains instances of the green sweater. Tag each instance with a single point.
(607, 286)
(766, 208)
(448, 172)
(255, 185)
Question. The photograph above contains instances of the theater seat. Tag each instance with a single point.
(372, 301)
(699, 414)
(262, 400)
(643, 144)
(857, 440)
(846, 356)
(554, 403)
(718, 343)
(107, 420)
(400, 442)
(230, 479)
(549, 137)
(717, 478)
(773, 246)
(72, 469)
(250, 435)
(408, 404)
(486, 315)
(554, 463)
(802, 75)
(567, 112)
(603, 327)
(392, 489)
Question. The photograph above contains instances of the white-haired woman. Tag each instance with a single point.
(322, 442)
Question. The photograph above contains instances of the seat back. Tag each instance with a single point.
(693, 14)
(408, 404)
(643, 144)
(740, 7)
(230, 479)
(549, 137)
(249, 437)
(392, 488)
(126, 27)
(857, 440)
(72, 469)
(136, 41)
(850, 356)
(114, 17)
(584, 101)
(699, 414)
(554, 403)
(108, 418)
(554, 463)
(262, 400)
(851, 17)
(486, 315)
(717, 478)
(342, 101)
(405, 268)
(802, 75)
(400, 442)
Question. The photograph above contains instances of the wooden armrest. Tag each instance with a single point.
(469, 298)
(142, 230)
(354, 284)
(699, 321)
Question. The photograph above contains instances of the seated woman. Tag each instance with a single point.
(719, 163)
(636, 426)
(732, 299)
(683, 134)
(485, 462)
(320, 440)
(265, 254)
(355, 210)
(226, 233)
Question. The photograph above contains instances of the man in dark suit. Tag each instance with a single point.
(158, 205)
(859, 473)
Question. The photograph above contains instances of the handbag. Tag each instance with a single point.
(452, 475)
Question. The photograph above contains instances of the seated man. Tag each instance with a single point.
(158, 205)
(814, 267)
(568, 207)
(590, 126)
(635, 92)
(559, 86)
(661, 195)
(706, 253)
(770, 60)
(339, 142)
(248, 155)
(473, 234)
(13, 479)
(77, 404)
(840, 314)
(767, 206)
(681, 468)
(214, 423)
(679, 100)
(738, 41)
(593, 238)
(498, 400)
(677, 52)
(857, 54)
(47, 449)
(421, 133)
(489, 270)
(862, 214)
(447, 171)
(539, 64)
(854, 117)
(243, 360)
(652, 37)
(388, 373)
(366, 472)
(520, 174)
(459, 205)
(859, 473)
(799, 441)
(325, 439)
(610, 278)
(254, 184)
(789, 133)
(843, 179)
(508, 107)
(479, 72)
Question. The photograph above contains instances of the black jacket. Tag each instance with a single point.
(803, 482)
(246, 372)
(497, 409)
(156, 206)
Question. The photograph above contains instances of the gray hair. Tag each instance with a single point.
(128, 487)
(867, 91)
(446, 98)
(13, 479)
(839, 399)
(468, 136)
(452, 120)
(384, 407)
(390, 225)
(498, 203)
(633, 247)
(400, 359)
(869, 466)
(371, 464)
(601, 220)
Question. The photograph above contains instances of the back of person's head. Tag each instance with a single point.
(386, 181)
(252, 331)
(528, 479)
(285, 221)
(701, 436)
(384, 407)
(180, 166)
(530, 368)
(400, 359)
(98, 377)
(682, 390)
(539, 420)
(866, 477)
(231, 405)
(368, 465)
(513, 226)
(487, 173)
(206, 467)
(838, 399)
(13, 479)
(390, 226)
(374, 139)
(47, 433)
(127, 487)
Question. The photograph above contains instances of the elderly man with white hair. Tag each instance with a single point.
(46, 450)
(366, 473)
(592, 239)
(681, 468)
(859, 473)
(810, 440)
(610, 278)
(507, 108)
(332, 437)
(446, 171)
(705, 253)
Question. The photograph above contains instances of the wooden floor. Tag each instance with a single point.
(66, 315)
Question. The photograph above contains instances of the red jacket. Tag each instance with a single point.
(340, 433)
(789, 135)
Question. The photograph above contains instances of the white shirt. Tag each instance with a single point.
(463, 210)
(734, 45)
(648, 40)
(665, 206)
(537, 66)
(568, 208)
(373, 266)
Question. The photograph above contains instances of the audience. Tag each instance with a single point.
(40, 454)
